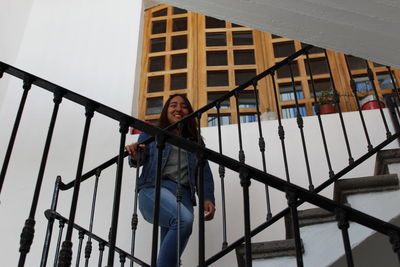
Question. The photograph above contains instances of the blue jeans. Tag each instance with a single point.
(167, 256)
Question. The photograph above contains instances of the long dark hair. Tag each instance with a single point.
(189, 129)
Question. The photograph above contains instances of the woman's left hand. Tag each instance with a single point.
(209, 210)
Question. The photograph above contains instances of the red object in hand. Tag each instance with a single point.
(137, 131)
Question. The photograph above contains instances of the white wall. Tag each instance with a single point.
(90, 47)
(12, 28)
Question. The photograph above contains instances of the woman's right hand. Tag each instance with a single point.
(133, 148)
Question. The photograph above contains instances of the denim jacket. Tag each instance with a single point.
(149, 161)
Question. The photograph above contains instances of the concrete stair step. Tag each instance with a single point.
(384, 158)
(266, 250)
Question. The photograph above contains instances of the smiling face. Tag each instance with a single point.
(177, 109)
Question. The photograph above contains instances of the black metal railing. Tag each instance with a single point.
(296, 195)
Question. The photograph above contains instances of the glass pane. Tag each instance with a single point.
(214, 23)
(156, 63)
(291, 112)
(274, 36)
(216, 39)
(217, 58)
(284, 71)
(178, 61)
(287, 91)
(177, 11)
(247, 99)
(314, 50)
(213, 120)
(242, 38)
(178, 81)
(378, 65)
(244, 57)
(284, 49)
(217, 78)
(155, 84)
(211, 96)
(236, 25)
(317, 65)
(179, 24)
(356, 63)
(248, 118)
(385, 81)
(179, 42)
(154, 105)
(242, 76)
(321, 85)
(160, 13)
(159, 26)
(363, 84)
(157, 44)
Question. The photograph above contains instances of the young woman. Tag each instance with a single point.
(176, 108)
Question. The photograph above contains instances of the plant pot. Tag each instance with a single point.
(370, 102)
(327, 109)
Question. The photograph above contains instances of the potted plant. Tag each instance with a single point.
(326, 101)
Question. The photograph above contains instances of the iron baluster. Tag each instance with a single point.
(2, 69)
(396, 101)
(134, 221)
(346, 139)
(261, 145)
(301, 126)
(117, 193)
(28, 231)
(81, 235)
(221, 172)
(394, 238)
(292, 203)
(344, 225)
(317, 106)
(241, 152)
(200, 190)
(179, 195)
(160, 139)
(88, 248)
(395, 88)
(122, 259)
(26, 86)
(101, 252)
(66, 248)
(60, 233)
(281, 130)
(354, 88)
(245, 183)
(371, 80)
(49, 231)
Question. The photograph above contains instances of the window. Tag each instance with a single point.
(217, 58)
(287, 92)
(217, 78)
(284, 49)
(244, 57)
(247, 99)
(178, 81)
(154, 105)
(159, 26)
(242, 76)
(248, 118)
(178, 61)
(155, 84)
(212, 96)
(363, 84)
(157, 44)
(213, 120)
(242, 38)
(216, 39)
(291, 112)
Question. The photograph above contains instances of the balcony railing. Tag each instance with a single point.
(295, 194)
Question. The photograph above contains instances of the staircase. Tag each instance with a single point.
(376, 195)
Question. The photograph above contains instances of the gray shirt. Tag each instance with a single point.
(171, 167)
